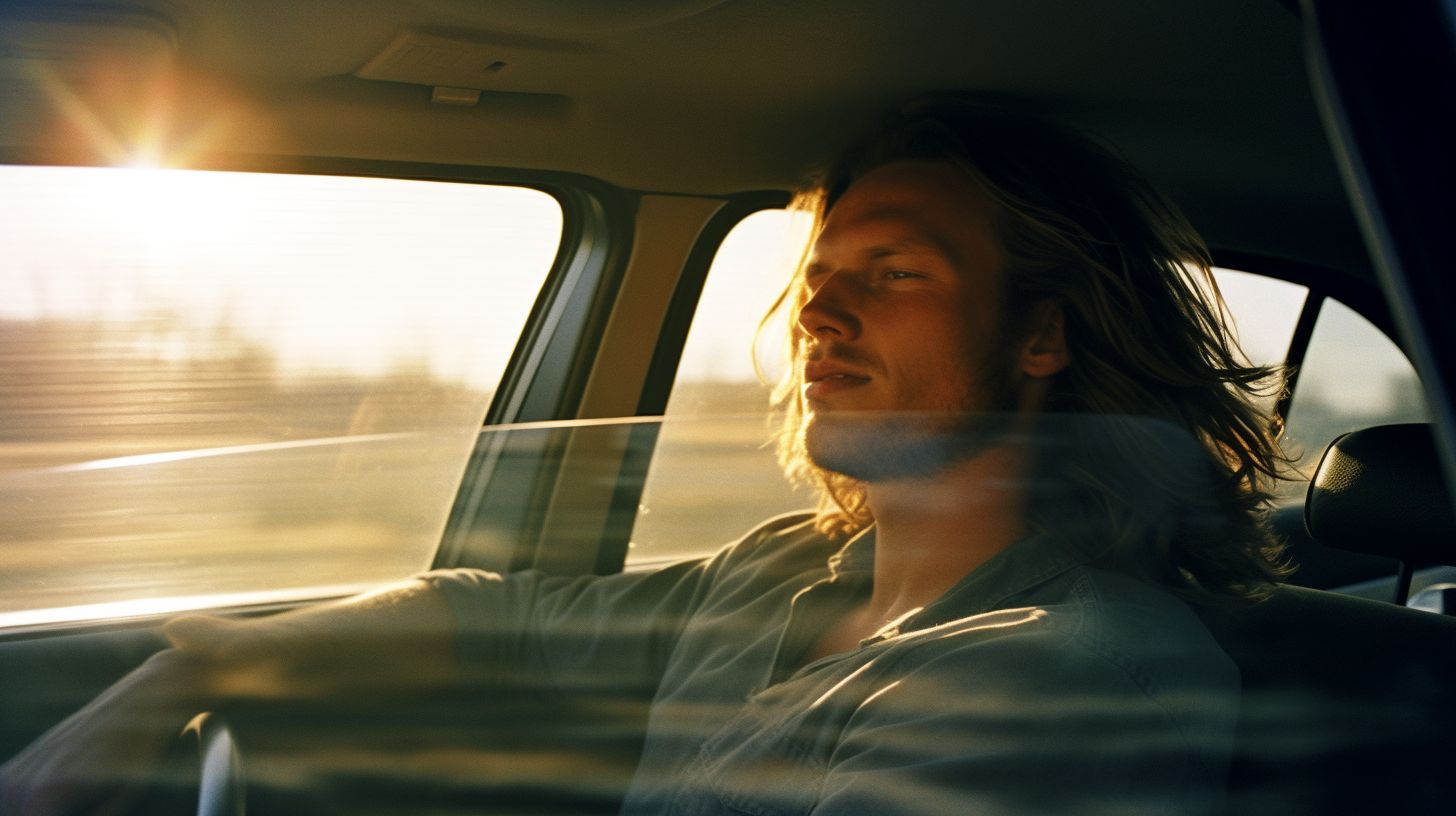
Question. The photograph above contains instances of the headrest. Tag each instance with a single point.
(1380, 491)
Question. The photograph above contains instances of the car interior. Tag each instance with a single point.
(1300, 138)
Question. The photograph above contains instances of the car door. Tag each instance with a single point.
(239, 390)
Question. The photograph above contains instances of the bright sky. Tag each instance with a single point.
(358, 275)
(332, 274)
(748, 272)
(759, 254)
(1265, 311)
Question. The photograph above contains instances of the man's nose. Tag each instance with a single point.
(830, 310)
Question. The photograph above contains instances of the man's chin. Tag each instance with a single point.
(876, 447)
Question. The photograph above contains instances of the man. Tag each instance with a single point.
(1032, 434)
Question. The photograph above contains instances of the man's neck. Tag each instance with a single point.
(932, 532)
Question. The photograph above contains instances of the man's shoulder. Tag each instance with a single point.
(1126, 619)
(787, 537)
(1099, 625)
(1097, 663)
(784, 550)
(796, 525)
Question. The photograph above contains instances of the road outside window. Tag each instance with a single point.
(233, 387)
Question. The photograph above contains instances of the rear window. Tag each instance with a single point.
(236, 387)
(1352, 377)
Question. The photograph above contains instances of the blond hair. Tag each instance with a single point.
(1146, 327)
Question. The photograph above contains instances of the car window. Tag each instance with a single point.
(714, 473)
(1264, 311)
(1353, 376)
(228, 387)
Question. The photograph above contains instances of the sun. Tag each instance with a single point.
(164, 206)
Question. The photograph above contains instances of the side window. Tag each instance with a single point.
(714, 473)
(1352, 377)
(232, 388)
(1265, 312)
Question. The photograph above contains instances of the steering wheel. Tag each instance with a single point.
(220, 790)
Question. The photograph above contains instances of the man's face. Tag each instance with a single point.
(903, 327)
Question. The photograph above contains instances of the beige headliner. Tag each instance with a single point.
(717, 96)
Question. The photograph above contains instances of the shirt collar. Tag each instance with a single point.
(1029, 562)
(857, 555)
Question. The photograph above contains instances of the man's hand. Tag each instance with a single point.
(100, 759)
(397, 638)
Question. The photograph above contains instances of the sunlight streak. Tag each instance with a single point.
(79, 114)
(226, 450)
(149, 607)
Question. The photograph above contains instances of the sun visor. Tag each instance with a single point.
(459, 67)
(72, 41)
(92, 62)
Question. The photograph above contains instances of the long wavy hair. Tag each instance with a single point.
(1150, 343)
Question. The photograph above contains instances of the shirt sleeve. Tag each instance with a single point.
(602, 633)
(1041, 724)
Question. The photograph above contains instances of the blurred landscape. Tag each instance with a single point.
(714, 473)
(217, 382)
(128, 471)
(1315, 421)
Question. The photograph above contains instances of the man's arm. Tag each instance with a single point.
(99, 759)
(328, 647)
(440, 628)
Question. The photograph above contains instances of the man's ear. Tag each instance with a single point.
(1045, 352)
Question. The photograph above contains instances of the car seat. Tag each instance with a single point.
(1349, 704)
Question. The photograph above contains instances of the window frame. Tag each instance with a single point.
(1322, 283)
(662, 370)
(546, 374)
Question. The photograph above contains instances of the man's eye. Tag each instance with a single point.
(902, 274)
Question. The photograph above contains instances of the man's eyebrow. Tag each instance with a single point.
(904, 246)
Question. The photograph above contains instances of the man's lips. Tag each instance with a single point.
(816, 370)
(823, 379)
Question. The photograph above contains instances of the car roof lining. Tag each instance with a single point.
(1209, 97)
